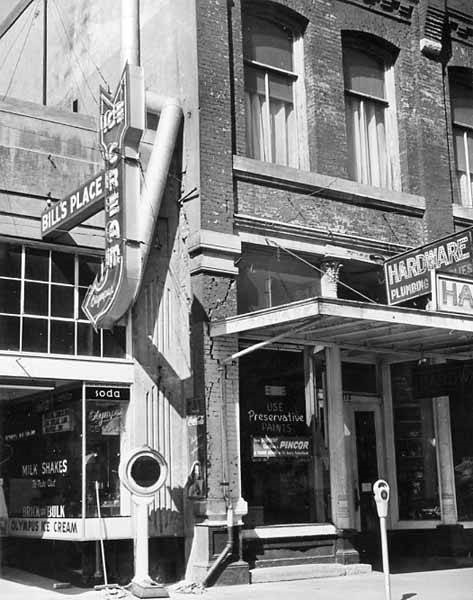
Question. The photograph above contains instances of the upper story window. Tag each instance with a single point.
(41, 292)
(271, 82)
(370, 117)
(461, 95)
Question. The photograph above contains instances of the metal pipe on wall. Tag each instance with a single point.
(155, 178)
(130, 32)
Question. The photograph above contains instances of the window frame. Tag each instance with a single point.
(48, 317)
(376, 48)
(282, 21)
(458, 77)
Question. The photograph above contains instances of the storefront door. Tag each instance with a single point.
(367, 458)
(276, 447)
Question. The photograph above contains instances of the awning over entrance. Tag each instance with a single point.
(359, 326)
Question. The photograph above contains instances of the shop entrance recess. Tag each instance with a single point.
(367, 457)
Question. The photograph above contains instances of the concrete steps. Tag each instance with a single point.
(307, 571)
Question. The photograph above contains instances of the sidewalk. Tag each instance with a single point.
(438, 584)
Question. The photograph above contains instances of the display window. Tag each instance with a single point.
(272, 279)
(285, 468)
(61, 451)
(41, 294)
(461, 419)
(415, 442)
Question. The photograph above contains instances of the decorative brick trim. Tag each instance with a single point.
(431, 44)
(461, 26)
(400, 9)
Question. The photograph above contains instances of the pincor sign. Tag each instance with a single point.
(408, 274)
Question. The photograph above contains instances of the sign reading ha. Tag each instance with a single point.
(453, 294)
(408, 274)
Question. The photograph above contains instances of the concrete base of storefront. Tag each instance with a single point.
(80, 562)
(305, 571)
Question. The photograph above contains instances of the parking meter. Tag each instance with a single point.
(381, 496)
(143, 471)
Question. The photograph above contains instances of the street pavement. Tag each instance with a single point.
(436, 584)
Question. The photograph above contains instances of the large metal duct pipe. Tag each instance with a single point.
(170, 115)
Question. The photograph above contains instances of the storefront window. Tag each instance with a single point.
(461, 419)
(269, 280)
(285, 469)
(104, 423)
(415, 441)
(43, 472)
(41, 294)
(42, 457)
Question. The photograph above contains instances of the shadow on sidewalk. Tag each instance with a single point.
(23, 578)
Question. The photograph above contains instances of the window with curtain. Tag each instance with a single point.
(367, 104)
(461, 93)
(269, 92)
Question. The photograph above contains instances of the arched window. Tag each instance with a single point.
(461, 96)
(270, 78)
(370, 118)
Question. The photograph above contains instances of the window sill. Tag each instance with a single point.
(334, 188)
(463, 214)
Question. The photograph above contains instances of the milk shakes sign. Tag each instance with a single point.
(115, 189)
(408, 274)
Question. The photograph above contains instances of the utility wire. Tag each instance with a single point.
(299, 258)
(15, 40)
(43, 135)
(34, 14)
(71, 44)
(58, 10)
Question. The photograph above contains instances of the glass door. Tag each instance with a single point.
(367, 459)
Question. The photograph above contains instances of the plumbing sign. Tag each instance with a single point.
(116, 190)
(408, 275)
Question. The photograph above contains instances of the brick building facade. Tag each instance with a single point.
(319, 139)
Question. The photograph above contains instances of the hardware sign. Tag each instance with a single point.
(407, 275)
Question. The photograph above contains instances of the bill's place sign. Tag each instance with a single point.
(114, 189)
(408, 276)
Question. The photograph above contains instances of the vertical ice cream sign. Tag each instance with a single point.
(120, 128)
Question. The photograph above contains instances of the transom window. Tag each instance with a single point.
(371, 131)
(41, 293)
(461, 91)
(270, 78)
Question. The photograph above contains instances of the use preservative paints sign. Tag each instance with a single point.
(408, 274)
